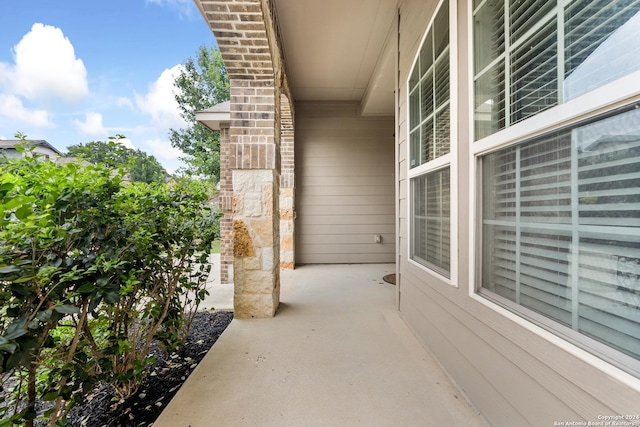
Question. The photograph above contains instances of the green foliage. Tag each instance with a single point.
(92, 269)
(201, 85)
(141, 166)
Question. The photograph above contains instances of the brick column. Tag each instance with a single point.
(248, 36)
(255, 164)
(226, 205)
(287, 186)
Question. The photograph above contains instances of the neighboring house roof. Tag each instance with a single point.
(12, 143)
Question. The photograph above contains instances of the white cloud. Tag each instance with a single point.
(163, 150)
(46, 68)
(6, 73)
(92, 125)
(184, 7)
(124, 102)
(126, 142)
(160, 102)
(12, 107)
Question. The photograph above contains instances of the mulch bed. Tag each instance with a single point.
(166, 375)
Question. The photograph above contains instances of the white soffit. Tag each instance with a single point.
(335, 50)
(215, 116)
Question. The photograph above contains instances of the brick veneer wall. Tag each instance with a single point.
(241, 33)
(287, 185)
(253, 137)
(287, 173)
(226, 198)
(248, 37)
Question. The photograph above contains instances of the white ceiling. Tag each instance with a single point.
(340, 50)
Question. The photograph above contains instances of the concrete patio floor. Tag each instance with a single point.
(220, 294)
(336, 354)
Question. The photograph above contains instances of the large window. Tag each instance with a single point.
(429, 150)
(531, 55)
(559, 226)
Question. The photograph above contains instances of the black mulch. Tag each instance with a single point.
(165, 377)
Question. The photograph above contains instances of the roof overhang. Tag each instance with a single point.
(216, 117)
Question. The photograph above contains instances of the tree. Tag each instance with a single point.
(142, 167)
(201, 85)
(146, 168)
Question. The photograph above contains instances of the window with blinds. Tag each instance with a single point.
(531, 55)
(561, 228)
(431, 218)
(429, 139)
(429, 94)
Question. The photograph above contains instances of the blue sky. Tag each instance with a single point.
(75, 71)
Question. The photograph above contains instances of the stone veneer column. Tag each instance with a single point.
(256, 271)
(254, 160)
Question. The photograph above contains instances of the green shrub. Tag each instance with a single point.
(92, 270)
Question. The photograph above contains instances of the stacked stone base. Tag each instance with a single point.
(256, 247)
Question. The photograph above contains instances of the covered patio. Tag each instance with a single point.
(337, 354)
(355, 134)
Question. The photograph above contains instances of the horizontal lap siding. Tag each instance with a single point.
(344, 185)
(512, 375)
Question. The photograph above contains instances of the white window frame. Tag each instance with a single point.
(447, 160)
(608, 97)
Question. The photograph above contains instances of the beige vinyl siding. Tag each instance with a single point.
(344, 185)
(513, 373)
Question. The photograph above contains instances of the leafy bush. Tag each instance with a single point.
(92, 270)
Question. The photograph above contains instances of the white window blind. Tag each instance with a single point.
(561, 228)
(431, 218)
(531, 55)
(429, 139)
(429, 95)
